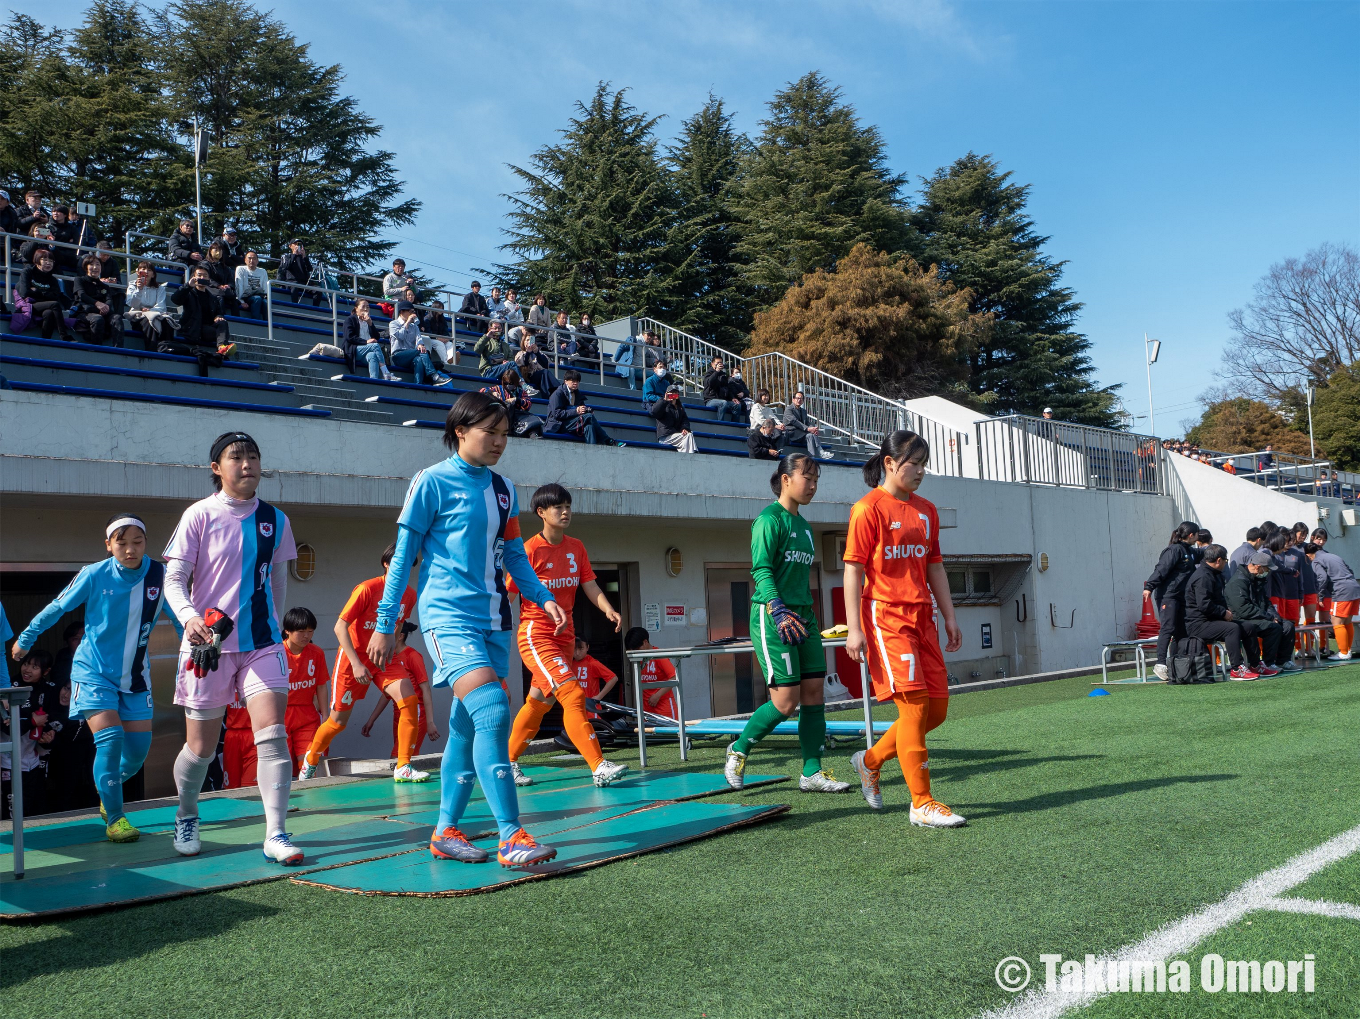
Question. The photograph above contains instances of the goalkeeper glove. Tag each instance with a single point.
(206, 656)
(792, 629)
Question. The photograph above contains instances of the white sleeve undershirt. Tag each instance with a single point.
(178, 573)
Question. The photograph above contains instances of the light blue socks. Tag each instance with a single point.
(479, 742)
(108, 770)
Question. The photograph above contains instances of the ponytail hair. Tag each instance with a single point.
(791, 464)
(900, 445)
(1187, 531)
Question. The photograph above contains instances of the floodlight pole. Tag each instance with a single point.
(198, 186)
(1312, 446)
(1151, 348)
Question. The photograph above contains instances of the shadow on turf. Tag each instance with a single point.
(985, 762)
(1064, 797)
(96, 940)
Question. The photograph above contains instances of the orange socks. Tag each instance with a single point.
(917, 714)
(407, 729)
(1345, 635)
(526, 725)
(322, 740)
(582, 733)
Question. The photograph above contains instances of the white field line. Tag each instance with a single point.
(1319, 907)
(1177, 938)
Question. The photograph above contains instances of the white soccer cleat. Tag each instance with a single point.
(868, 781)
(305, 770)
(407, 773)
(521, 779)
(280, 850)
(186, 836)
(936, 815)
(735, 768)
(609, 772)
(822, 782)
(1338, 657)
(1160, 672)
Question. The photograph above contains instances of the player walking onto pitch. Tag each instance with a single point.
(110, 678)
(222, 585)
(788, 645)
(462, 519)
(354, 673)
(892, 553)
(562, 565)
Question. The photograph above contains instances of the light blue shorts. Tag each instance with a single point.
(460, 650)
(89, 695)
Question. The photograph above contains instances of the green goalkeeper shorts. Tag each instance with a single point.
(786, 664)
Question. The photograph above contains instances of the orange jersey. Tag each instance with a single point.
(590, 673)
(306, 670)
(662, 701)
(361, 613)
(410, 663)
(894, 541)
(562, 568)
(237, 716)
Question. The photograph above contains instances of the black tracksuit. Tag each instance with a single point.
(1205, 608)
(92, 324)
(49, 303)
(1249, 598)
(202, 333)
(1167, 584)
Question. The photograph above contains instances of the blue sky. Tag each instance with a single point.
(1175, 150)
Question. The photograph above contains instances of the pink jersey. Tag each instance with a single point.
(233, 547)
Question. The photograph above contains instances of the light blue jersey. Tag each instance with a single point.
(121, 607)
(463, 522)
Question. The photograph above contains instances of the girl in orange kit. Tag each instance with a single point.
(892, 567)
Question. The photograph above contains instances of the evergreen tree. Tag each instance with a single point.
(972, 224)
(589, 228)
(816, 184)
(706, 294)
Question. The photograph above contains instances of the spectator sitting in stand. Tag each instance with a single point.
(363, 343)
(42, 292)
(561, 337)
(494, 351)
(738, 392)
(587, 344)
(147, 307)
(409, 351)
(221, 277)
(517, 403)
(474, 304)
(798, 432)
(672, 423)
(204, 330)
(9, 216)
(296, 267)
(95, 320)
(435, 322)
(111, 275)
(761, 410)
(42, 241)
(655, 387)
(32, 212)
(715, 396)
(569, 412)
(252, 285)
(763, 442)
(533, 368)
(184, 246)
(540, 319)
(64, 232)
(495, 304)
(232, 248)
(512, 314)
(438, 338)
(396, 281)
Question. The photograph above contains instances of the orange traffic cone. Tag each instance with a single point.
(1148, 625)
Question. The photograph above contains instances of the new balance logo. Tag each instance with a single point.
(896, 525)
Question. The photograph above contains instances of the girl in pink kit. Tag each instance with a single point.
(222, 585)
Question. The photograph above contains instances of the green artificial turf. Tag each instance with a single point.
(1094, 820)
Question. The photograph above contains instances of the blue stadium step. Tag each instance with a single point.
(180, 401)
(136, 380)
(91, 353)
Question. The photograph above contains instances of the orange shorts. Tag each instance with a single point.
(346, 691)
(1343, 610)
(904, 649)
(1309, 599)
(547, 657)
(239, 757)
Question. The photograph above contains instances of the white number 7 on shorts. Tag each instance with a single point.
(911, 667)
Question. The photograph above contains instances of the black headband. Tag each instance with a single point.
(231, 439)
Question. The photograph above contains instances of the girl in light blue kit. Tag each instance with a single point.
(462, 519)
(110, 675)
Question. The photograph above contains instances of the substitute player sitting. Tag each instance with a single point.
(354, 673)
(407, 659)
(892, 567)
(223, 584)
(788, 644)
(123, 596)
(658, 700)
(561, 564)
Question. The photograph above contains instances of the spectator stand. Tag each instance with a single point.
(701, 727)
(1305, 476)
(10, 698)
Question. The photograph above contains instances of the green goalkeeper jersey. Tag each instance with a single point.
(781, 556)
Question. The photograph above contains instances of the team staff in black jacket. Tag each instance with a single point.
(1167, 585)
(1207, 615)
(1248, 596)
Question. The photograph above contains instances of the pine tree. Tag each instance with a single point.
(589, 228)
(816, 184)
(706, 294)
(972, 225)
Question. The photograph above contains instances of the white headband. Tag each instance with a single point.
(122, 522)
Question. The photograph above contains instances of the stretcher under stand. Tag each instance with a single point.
(680, 729)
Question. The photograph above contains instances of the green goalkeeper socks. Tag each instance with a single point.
(812, 736)
(758, 726)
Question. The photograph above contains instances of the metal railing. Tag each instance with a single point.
(1045, 452)
(1287, 472)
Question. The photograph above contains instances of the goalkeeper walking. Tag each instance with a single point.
(788, 646)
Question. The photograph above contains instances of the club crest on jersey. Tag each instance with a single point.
(504, 500)
(267, 530)
(152, 593)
